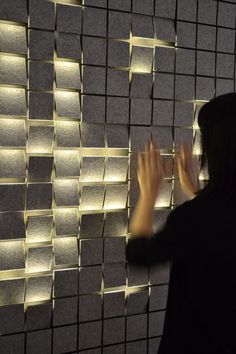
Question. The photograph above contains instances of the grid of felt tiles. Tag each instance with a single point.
(82, 87)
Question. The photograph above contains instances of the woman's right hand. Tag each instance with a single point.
(188, 171)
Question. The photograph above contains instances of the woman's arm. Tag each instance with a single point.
(142, 218)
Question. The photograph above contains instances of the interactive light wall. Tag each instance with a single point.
(82, 87)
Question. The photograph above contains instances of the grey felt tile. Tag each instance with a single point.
(184, 87)
(144, 7)
(12, 197)
(39, 196)
(187, 10)
(66, 251)
(12, 102)
(102, 3)
(91, 252)
(118, 110)
(163, 86)
(205, 88)
(116, 196)
(94, 22)
(114, 304)
(119, 165)
(38, 317)
(39, 228)
(67, 75)
(68, 46)
(41, 45)
(65, 282)
(115, 223)
(14, 343)
(91, 46)
(92, 135)
(114, 249)
(40, 76)
(40, 105)
(164, 29)
(90, 307)
(92, 197)
(163, 112)
(224, 86)
(64, 339)
(164, 59)
(40, 138)
(225, 40)
(226, 15)
(93, 109)
(12, 255)
(40, 169)
(86, 340)
(114, 274)
(159, 273)
(141, 85)
(138, 347)
(137, 302)
(206, 38)
(225, 66)
(117, 82)
(207, 11)
(92, 169)
(66, 221)
(117, 135)
(136, 327)
(12, 291)
(142, 59)
(67, 134)
(113, 330)
(65, 311)
(141, 111)
(156, 323)
(115, 348)
(91, 225)
(42, 14)
(123, 5)
(118, 53)
(186, 34)
(165, 8)
(13, 39)
(11, 319)
(13, 71)
(12, 225)
(90, 279)
(15, 10)
(182, 135)
(12, 164)
(158, 297)
(67, 104)
(94, 79)
(39, 342)
(185, 61)
(66, 193)
(137, 275)
(69, 18)
(183, 114)
(119, 25)
(142, 26)
(153, 345)
(139, 137)
(205, 63)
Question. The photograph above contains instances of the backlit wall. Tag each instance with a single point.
(83, 86)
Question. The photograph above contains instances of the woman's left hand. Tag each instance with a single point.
(150, 172)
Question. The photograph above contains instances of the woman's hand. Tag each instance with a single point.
(150, 172)
(188, 170)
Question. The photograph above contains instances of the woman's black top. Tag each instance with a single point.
(199, 238)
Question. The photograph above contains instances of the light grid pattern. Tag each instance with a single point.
(82, 87)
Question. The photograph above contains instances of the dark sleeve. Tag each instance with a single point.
(166, 244)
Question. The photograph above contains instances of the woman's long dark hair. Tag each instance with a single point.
(217, 123)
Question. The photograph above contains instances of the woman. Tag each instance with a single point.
(199, 237)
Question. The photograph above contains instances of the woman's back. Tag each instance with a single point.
(201, 308)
